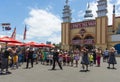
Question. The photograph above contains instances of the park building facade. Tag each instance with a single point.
(91, 33)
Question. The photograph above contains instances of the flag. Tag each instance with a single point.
(25, 33)
(14, 34)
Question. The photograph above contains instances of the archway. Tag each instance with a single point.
(89, 42)
(76, 42)
(89, 37)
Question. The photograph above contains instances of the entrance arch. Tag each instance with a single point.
(89, 37)
(76, 42)
(89, 42)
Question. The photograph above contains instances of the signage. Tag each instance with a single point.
(83, 24)
(88, 41)
(85, 41)
(6, 26)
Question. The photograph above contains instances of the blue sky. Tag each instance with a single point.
(43, 17)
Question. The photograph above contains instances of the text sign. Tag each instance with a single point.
(83, 24)
(86, 41)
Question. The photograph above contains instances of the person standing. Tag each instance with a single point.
(76, 57)
(71, 57)
(91, 58)
(112, 59)
(56, 59)
(4, 61)
(98, 56)
(85, 59)
(30, 52)
(105, 55)
(94, 56)
(14, 57)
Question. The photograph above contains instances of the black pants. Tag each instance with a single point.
(54, 61)
(29, 59)
(4, 64)
(94, 60)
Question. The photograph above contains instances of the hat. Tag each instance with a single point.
(112, 48)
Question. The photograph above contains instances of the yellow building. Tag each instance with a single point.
(92, 33)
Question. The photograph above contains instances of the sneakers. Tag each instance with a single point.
(8, 72)
(108, 67)
(53, 69)
(1, 73)
(114, 68)
(111, 68)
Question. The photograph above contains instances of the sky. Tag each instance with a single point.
(43, 18)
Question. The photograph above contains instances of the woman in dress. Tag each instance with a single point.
(112, 59)
(85, 59)
(76, 57)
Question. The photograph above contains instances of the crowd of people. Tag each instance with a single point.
(13, 57)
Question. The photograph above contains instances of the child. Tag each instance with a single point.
(76, 57)
(91, 59)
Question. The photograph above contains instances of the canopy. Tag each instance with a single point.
(41, 45)
(34, 44)
(16, 44)
(8, 39)
(50, 45)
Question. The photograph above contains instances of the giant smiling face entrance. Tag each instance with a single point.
(79, 42)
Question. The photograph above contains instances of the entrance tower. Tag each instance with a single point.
(66, 26)
(101, 24)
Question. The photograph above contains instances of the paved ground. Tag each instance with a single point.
(41, 73)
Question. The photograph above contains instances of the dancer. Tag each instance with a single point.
(56, 59)
(112, 59)
(30, 52)
(85, 60)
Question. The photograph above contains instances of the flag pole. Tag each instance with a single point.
(24, 38)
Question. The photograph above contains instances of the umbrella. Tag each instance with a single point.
(7, 39)
(41, 45)
(50, 45)
(16, 44)
(31, 44)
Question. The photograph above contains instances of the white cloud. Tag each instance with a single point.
(55, 38)
(81, 14)
(5, 33)
(93, 7)
(42, 25)
(49, 8)
(110, 12)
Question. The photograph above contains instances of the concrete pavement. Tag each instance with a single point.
(41, 73)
